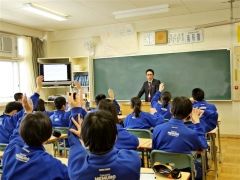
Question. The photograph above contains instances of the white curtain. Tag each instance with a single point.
(26, 78)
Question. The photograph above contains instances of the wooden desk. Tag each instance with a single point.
(63, 160)
(213, 149)
(126, 107)
(148, 174)
(55, 139)
(145, 144)
(1, 154)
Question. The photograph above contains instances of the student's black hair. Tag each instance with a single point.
(59, 102)
(11, 106)
(136, 106)
(40, 106)
(181, 107)
(198, 94)
(108, 105)
(99, 131)
(35, 129)
(99, 97)
(151, 70)
(18, 96)
(165, 98)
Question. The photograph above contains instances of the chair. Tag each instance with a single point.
(180, 161)
(142, 133)
(61, 147)
(2, 148)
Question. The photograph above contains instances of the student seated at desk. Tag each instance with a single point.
(209, 119)
(163, 107)
(139, 119)
(25, 157)
(60, 117)
(35, 97)
(111, 95)
(98, 133)
(125, 140)
(8, 120)
(174, 136)
(41, 108)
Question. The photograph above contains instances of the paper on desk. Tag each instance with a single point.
(147, 176)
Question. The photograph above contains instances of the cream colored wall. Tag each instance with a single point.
(20, 30)
(71, 43)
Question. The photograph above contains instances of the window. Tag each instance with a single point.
(9, 78)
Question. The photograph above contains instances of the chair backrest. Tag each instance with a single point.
(180, 161)
(141, 133)
(62, 130)
(3, 146)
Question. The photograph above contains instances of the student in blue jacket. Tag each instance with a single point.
(111, 95)
(125, 140)
(139, 119)
(41, 108)
(60, 117)
(8, 120)
(25, 157)
(160, 102)
(103, 161)
(174, 136)
(209, 119)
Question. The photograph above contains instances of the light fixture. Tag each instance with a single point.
(40, 10)
(141, 11)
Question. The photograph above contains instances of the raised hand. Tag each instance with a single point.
(27, 104)
(161, 87)
(77, 124)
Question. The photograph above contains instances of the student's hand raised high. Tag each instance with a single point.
(161, 87)
(78, 85)
(77, 124)
(196, 114)
(153, 110)
(39, 81)
(27, 104)
(111, 94)
(75, 102)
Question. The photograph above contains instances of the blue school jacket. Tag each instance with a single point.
(60, 118)
(116, 164)
(144, 121)
(209, 120)
(125, 140)
(7, 125)
(174, 136)
(21, 161)
(165, 112)
(114, 102)
(204, 105)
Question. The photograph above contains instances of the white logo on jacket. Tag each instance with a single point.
(22, 157)
(173, 133)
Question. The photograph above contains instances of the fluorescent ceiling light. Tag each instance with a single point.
(141, 11)
(37, 9)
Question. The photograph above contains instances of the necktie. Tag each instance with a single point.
(149, 91)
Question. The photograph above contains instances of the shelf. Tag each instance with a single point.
(80, 71)
(47, 87)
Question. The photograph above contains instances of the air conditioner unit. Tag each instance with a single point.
(8, 46)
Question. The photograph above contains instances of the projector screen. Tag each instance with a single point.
(55, 72)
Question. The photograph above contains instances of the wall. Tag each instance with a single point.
(126, 39)
(20, 30)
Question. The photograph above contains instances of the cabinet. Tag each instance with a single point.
(81, 72)
(81, 69)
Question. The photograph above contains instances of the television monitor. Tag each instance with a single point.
(56, 74)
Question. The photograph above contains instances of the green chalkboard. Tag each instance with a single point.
(181, 72)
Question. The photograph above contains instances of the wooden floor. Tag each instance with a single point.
(229, 169)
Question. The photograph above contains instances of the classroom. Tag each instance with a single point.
(109, 44)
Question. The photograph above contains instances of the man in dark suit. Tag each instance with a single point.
(150, 86)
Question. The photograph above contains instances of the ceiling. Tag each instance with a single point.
(85, 13)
